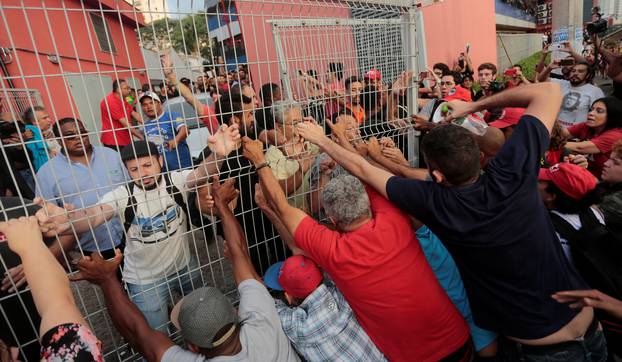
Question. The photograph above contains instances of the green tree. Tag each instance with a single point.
(188, 35)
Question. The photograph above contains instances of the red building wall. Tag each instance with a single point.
(64, 28)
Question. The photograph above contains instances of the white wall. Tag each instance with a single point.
(517, 46)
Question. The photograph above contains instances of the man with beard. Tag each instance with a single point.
(354, 88)
(238, 108)
(81, 175)
(153, 208)
(579, 94)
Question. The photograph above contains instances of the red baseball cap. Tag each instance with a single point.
(459, 93)
(373, 74)
(571, 179)
(299, 276)
(509, 117)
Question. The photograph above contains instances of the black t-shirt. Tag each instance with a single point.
(266, 248)
(501, 237)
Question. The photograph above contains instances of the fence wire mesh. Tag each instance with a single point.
(61, 58)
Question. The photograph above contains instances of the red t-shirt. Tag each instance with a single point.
(603, 141)
(209, 119)
(113, 108)
(382, 272)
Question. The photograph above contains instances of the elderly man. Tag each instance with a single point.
(376, 263)
(291, 160)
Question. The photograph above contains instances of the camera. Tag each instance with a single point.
(8, 129)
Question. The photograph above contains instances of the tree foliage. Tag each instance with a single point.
(188, 35)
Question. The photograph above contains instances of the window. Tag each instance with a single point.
(102, 31)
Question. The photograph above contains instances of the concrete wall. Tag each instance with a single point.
(518, 47)
(450, 25)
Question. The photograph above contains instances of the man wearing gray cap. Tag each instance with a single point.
(211, 327)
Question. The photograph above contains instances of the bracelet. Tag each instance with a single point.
(261, 165)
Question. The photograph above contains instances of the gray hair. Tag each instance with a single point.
(345, 200)
(281, 108)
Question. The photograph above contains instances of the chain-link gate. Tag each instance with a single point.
(65, 56)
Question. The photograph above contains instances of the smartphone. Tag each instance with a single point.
(425, 75)
(566, 62)
(556, 46)
(467, 47)
(510, 72)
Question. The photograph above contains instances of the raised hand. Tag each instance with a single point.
(22, 233)
(205, 201)
(311, 132)
(167, 66)
(225, 192)
(590, 298)
(459, 109)
(361, 148)
(253, 151)
(52, 219)
(97, 270)
(395, 155)
(401, 83)
(225, 141)
(338, 129)
(386, 142)
(374, 149)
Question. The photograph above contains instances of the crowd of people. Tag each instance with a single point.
(502, 245)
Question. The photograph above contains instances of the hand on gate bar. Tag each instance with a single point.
(224, 192)
(225, 140)
(21, 233)
(253, 151)
(52, 219)
(96, 269)
(311, 132)
(373, 148)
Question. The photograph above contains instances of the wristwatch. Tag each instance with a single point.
(261, 165)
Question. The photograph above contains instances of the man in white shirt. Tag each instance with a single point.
(579, 94)
(153, 209)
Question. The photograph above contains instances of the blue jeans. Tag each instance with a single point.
(592, 347)
(153, 299)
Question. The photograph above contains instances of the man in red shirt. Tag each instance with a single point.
(377, 263)
(117, 114)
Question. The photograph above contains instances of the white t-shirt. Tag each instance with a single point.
(577, 102)
(157, 242)
(261, 334)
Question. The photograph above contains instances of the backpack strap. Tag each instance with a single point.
(174, 192)
(130, 212)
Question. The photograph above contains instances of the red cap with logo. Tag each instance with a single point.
(459, 93)
(373, 74)
(299, 276)
(571, 179)
(510, 117)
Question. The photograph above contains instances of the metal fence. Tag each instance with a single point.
(65, 55)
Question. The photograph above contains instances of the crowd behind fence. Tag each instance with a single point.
(70, 59)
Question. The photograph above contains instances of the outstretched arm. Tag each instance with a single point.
(236, 248)
(374, 151)
(542, 101)
(278, 224)
(222, 144)
(47, 279)
(590, 298)
(291, 216)
(354, 163)
(126, 317)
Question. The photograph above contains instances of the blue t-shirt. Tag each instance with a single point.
(164, 129)
(62, 181)
(448, 277)
(38, 147)
(501, 238)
